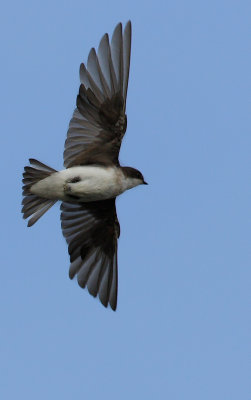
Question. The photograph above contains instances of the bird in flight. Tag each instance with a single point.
(93, 177)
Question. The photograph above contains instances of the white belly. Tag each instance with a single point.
(95, 183)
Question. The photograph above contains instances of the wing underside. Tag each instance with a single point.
(99, 119)
(91, 231)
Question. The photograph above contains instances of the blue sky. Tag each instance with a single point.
(182, 325)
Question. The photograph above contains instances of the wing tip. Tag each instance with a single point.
(113, 306)
(29, 223)
(128, 24)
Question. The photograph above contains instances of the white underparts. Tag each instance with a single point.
(87, 183)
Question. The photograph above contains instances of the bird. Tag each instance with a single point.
(93, 177)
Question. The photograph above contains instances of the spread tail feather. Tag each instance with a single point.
(34, 205)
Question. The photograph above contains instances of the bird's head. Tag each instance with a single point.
(133, 176)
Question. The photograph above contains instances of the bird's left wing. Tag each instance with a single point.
(99, 121)
(91, 231)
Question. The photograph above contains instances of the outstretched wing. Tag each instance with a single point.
(91, 231)
(99, 121)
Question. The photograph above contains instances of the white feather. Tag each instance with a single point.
(95, 183)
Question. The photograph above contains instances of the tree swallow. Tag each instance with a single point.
(93, 177)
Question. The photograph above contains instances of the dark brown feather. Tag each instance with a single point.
(99, 123)
(33, 205)
(91, 231)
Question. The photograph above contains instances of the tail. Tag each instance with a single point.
(33, 205)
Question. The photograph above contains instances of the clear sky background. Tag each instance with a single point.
(182, 325)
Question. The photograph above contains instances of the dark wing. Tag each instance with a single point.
(99, 121)
(91, 231)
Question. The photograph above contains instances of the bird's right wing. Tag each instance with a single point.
(91, 231)
(99, 121)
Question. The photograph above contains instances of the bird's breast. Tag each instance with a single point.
(94, 183)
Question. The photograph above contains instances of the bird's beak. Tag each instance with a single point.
(145, 183)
